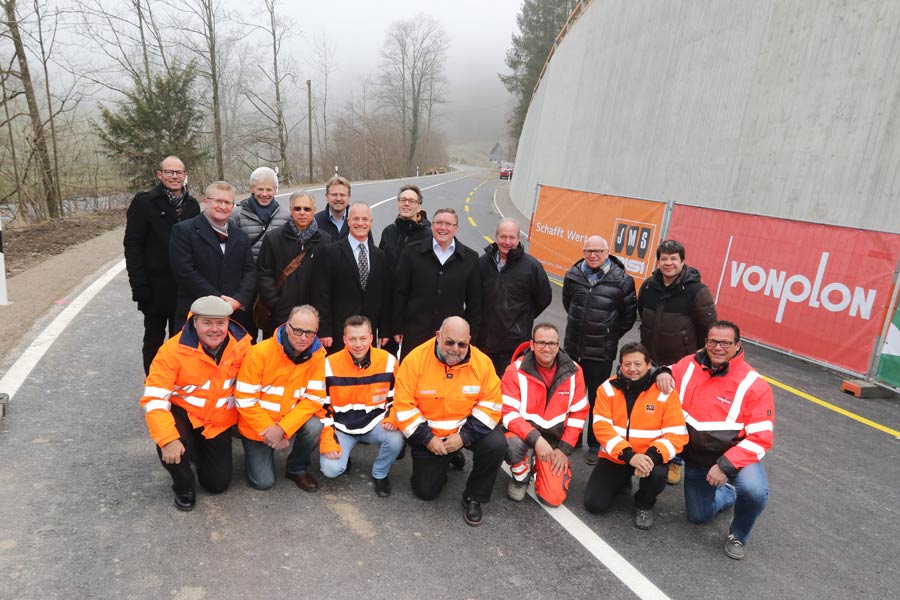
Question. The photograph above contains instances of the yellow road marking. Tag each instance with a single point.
(466, 208)
(472, 221)
(468, 198)
(832, 407)
(489, 240)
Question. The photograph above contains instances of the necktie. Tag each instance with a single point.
(363, 266)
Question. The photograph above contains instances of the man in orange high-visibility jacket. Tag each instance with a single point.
(280, 393)
(188, 401)
(359, 386)
(447, 397)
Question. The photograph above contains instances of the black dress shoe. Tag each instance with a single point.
(186, 501)
(458, 460)
(473, 514)
(305, 481)
(382, 487)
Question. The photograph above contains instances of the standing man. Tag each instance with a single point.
(280, 395)
(544, 409)
(188, 402)
(333, 218)
(515, 290)
(676, 311)
(260, 213)
(211, 259)
(359, 392)
(599, 297)
(436, 279)
(447, 397)
(730, 415)
(411, 225)
(148, 226)
(353, 278)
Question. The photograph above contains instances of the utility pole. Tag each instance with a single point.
(309, 123)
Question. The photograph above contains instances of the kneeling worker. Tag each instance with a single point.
(640, 429)
(359, 387)
(188, 402)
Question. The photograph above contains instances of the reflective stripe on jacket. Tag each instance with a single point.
(434, 399)
(272, 389)
(358, 398)
(184, 375)
(655, 422)
(531, 410)
(730, 412)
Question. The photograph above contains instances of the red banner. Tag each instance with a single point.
(564, 219)
(816, 290)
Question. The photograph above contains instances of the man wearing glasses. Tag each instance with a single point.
(544, 409)
(149, 221)
(447, 397)
(333, 218)
(730, 415)
(209, 258)
(280, 395)
(599, 298)
(437, 278)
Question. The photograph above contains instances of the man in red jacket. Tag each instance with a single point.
(544, 409)
(730, 415)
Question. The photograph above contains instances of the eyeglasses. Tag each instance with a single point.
(173, 173)
(307, 333)
(218, 202)
(591, 252)
(724, 344)
(543, 344)
(408, 200)
(444, 224)
(302, 208)
(460, 345)
(338, 195)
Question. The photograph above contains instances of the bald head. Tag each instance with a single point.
(453, 340)
(596, 251)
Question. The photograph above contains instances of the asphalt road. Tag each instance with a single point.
(86, 511)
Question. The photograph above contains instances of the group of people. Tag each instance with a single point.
(421, 342)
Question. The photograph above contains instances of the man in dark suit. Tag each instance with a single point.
(149, 221)
(209, 258)
(353, 278)
(333, 218)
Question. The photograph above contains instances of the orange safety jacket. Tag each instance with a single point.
(654, 427)
(184, 375)
(435, 399)
(272, 389)
(358, 396)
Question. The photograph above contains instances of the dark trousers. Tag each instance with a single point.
(429, 471)
(595, 373)
(212, 457)
(155, 325)
(501, 361)
(608, 478)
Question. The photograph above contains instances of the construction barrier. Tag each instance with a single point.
(889, 363)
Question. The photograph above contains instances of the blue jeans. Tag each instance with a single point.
(259, 459)
(748, 492)
(390, 442)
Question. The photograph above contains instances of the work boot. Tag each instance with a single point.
(674, 475)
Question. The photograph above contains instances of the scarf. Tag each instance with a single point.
(304, 236)
(265, 213)
(222, 231)
(177, 202)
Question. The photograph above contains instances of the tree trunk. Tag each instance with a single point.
(214, 83)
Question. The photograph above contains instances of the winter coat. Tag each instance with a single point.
(676, 317)
(511, 299)
(279, 248)
(427, 292)
(399, 234)
(148, 227)
(245, 218)
(202, 269)
(326, 226)
(598, 316)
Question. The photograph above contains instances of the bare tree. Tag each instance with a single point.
(46, 48)
(412, 80)
(324, 64)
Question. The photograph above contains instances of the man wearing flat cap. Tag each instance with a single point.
(188, 399)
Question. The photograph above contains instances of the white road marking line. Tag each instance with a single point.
(20, 370)
(612, 560)
(379, 203)
(502, 216)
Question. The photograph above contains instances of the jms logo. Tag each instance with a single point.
(632, 242)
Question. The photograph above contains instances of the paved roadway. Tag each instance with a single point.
(86, 512)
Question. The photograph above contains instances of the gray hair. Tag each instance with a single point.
(506, 220)
(307, 308)
(264, 175)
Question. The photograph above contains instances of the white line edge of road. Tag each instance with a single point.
(502, 216)
(13, 379)
(606, 554)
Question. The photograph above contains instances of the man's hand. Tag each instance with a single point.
(382, 342)
(453, 443)
(273, 435)
(436, 446)
(558, 461)
(665, 382)
(398, 338)
(235, 305)
(543, 450)
(389, 426)
(332, 455)
(642, 464)
(326, 341)
(172, 452)
(716, 477)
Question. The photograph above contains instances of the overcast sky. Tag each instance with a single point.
(479, 32)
